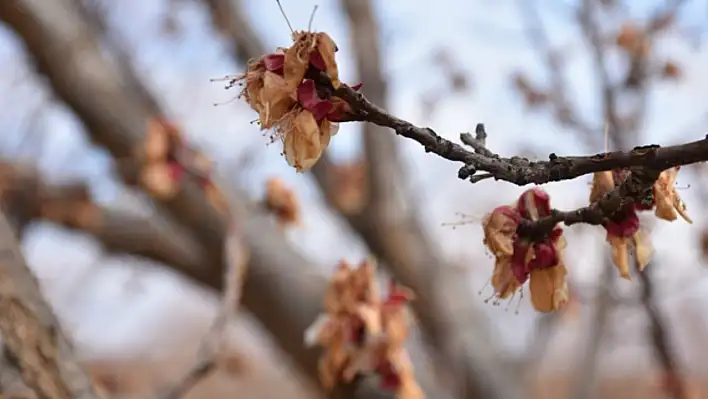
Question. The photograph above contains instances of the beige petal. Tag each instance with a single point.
(602, 183)
(503, 280)
(620, 254)
(302, 144)
(297, 58)
(326, 48)
(643, 250)
(157, 180)
(549, 290)
(157, 144)
(276, 99)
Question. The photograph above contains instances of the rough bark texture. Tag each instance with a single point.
(31, 333)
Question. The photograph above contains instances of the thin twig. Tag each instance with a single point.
(660, 339)
(208, 354)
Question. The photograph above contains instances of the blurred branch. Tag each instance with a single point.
(564, 110)
(587, 369)
(282, 289)
(661, 340)
(209, 352)
(229, 19)
(609, 96)
(31, 333)
(11, 383)
(26, 196)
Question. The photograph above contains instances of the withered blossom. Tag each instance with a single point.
(666, 198)
(624, 231)
(282, 202)
(518, 259)
(167, 159)
(361, 333)
(289, 104)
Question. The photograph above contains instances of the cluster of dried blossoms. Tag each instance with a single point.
(288, 104)
(282, 202)
(624, 231)
(518, 259)
(361, 333)
(540, 260)
(166, 159)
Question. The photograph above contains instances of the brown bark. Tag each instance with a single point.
(24, 193)
(31, 333)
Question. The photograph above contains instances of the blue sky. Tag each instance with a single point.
(486, 39)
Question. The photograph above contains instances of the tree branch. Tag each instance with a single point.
(565, 112)
(661, 341)
(24, 193)
(518, 170)
(586, 376)
(228, 18)
(31, 333)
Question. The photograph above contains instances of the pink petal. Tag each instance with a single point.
(357, 86)
(176, 171)
(307, 96)
(539, 199)
(317, 61)
(626, 227)
(390, 380)
(545, 255)
(518, 261)
(274, 62)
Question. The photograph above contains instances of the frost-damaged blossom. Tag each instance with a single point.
(282, 202)
(666, 199)
(518, 258)
(624, 230)
(275, 87)
(167, 160)
(363, 334)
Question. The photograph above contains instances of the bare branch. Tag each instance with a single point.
(587, 369)
(661, 341)
(521, 171)
(209, 351)
(536, 33)
(31, 333)
(228, 17)
(25, 194)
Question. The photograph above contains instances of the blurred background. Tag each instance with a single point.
(542, 75)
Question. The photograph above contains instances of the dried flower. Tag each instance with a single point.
(275, 87)
(671, 70)
(361, 333)
(623, 230)
(666, 198)
(349, 189)
(167, 159)
(633, 40)
(519, 259)
(282, 202)
(533, 96)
